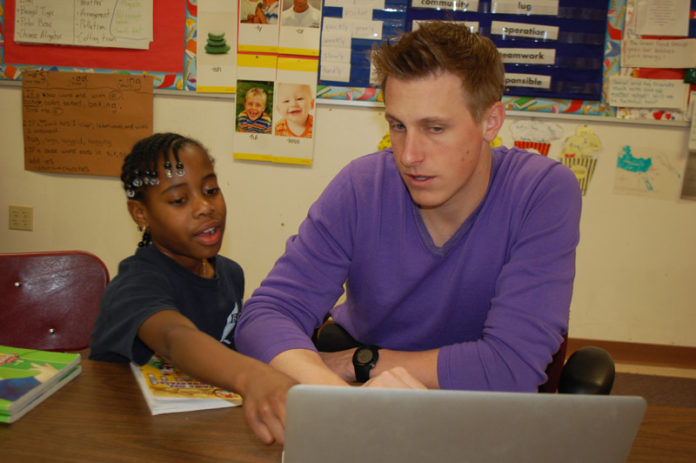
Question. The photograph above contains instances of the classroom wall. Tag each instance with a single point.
(636, 259)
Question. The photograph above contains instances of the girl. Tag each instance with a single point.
(176, 296)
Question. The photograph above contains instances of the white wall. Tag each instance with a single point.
(636, 259)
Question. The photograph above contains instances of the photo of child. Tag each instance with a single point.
(251, 108)
(270, 11)
(294, 104)
(301, 13)
(258, 12)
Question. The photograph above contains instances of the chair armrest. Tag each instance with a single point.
(590, 370)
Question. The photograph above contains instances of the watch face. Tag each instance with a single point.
(364, 356)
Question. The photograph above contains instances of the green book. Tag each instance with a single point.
(29, 376)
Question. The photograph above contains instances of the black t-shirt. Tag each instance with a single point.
(149, 282)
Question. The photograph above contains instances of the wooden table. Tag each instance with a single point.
(101, 417)
(666, 435)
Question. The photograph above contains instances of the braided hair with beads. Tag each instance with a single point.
(140, 166)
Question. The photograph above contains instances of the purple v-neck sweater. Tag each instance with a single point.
(495, 298)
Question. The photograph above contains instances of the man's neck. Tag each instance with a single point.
(443, 222)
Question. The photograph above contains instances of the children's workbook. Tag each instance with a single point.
(29, 376)
(169, 390)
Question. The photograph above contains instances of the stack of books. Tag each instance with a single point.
(168, 390)
(29, 376)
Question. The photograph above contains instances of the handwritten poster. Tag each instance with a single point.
(680, 53)
(83, 123)
(652, 93)
(662, 17)
(97, 23)
(164, 54)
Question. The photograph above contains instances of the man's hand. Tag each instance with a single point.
(396, 378)
(341, 363)
(420, 367)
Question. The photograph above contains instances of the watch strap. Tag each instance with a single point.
(364, 359)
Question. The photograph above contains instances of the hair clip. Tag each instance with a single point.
(180, 169)
(137, 181)
(168, 169)
(153, 178)
(130, 193)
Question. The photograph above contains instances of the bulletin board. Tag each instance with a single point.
(175, 49)
(553, 52)
(170, 60)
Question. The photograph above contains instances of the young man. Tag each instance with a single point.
(458, 260)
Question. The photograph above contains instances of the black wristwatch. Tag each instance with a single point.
(364, 359)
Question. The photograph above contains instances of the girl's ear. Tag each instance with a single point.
(138, 212)
(493, 121)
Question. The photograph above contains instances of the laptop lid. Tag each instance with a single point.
(354, 424)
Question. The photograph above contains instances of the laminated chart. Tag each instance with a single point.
(217, 48)
(276, 98)
(349, 31)
(550, 48)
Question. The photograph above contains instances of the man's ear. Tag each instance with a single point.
(493, 121)
(138, 212)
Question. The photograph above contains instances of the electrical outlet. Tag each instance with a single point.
(21, 218)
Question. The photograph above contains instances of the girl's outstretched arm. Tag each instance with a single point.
(176, 339)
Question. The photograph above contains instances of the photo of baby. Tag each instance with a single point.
(294, 105)
(252, 100)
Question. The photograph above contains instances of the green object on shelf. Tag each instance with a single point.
(216, 44)
(213, 50)
(690, 76)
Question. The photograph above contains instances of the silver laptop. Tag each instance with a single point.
(362, 425)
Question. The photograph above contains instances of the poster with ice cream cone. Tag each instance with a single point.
(535, 136)
(579, 154)
(583, 168)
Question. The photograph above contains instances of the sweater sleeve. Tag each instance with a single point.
(529, 309)
(305, 282)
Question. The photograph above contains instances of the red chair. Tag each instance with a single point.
(49, 300)
(555, 368)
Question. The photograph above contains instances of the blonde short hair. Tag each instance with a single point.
(437, 47)
(256, 91)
